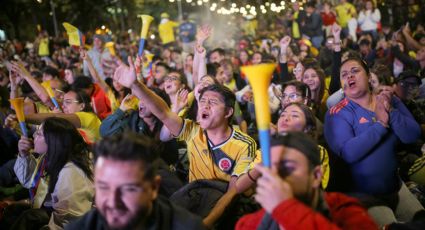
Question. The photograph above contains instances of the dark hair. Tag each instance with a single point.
(163, 64)
(301, 142)
(51, 71)
(310, 119)
(82, 82)
(212, 69)
(182, 76)
(220, 51)
(383, 73)
(228, 96)
(300, 87)
(37, 75)
(321, 74)
(129, 146)
(83, 97)
(360, 61)
(64, 144)
(117, 95)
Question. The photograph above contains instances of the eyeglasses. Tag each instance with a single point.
(69, 101)
(171, 78)
(408, 85)
(291, 96)
(353, 71)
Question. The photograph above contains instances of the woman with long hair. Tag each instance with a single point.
(60, 179)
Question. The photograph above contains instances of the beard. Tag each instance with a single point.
(137, 221)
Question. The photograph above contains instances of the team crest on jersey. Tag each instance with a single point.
(225, 164)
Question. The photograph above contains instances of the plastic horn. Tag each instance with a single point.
(149, 57)
(259, 77)
(110, 46)
(146, 21)
(18, 106)
(49, 90)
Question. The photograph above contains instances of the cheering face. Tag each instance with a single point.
(354, 80)
(144, 112)
(298, 71)
(243, 56)
(215, 57)
(256, 59)
(69, 76)
(291, 119)
(123, 196)
(172, 83)
(311, 78)
(212, 111)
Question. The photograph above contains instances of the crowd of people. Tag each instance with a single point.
(168, 139)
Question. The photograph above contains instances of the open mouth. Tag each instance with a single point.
(351, 84)
(204, 115)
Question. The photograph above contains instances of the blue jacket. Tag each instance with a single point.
(366, 147)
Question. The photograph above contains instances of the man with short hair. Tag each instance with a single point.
(98, 54)
(290, 192)
(127, 184)
(217, 55)
(216, 151)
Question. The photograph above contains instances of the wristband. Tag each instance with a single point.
(251, 178)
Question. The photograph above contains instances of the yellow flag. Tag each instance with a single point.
(75, 37)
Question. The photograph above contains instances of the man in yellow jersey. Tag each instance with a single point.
(345, 11)
(215, 150)
(166, 29)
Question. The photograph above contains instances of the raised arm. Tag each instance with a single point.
(126, 76)
(41, 92)
(283, 59)
(335, 83)
(199, 62)
(93, 72)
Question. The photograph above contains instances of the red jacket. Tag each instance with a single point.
(101, 102)
(346, 213)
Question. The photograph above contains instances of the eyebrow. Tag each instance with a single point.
(138, 184)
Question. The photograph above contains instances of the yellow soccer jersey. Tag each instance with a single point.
(231, 158)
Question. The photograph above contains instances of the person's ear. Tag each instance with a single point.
(317, 176)
(229, 112)
(155, 186)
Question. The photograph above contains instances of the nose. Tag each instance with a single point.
(114, 199)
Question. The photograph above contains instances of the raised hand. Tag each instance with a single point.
(271, 189)
(24, 146)
(180, 100)
(83, 54)
(19, 69)
(284, 43)
(203, 34)
(125, 103)
(126, 75)
(336, 32)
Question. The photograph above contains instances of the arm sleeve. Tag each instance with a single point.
(284, 73)
(114, 123)
(24, 169)
(376, 16)
(335, 83)
(245, 159)
(188, 130)
(346, 214)
(403, 123)
(404, 58)
(340, 136)
(72, 196)
(361, 18)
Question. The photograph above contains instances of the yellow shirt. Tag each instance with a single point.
(115, 104)
(43, 47)
(90, 124)
(230, 158)
(344, 13)
(166, 31)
